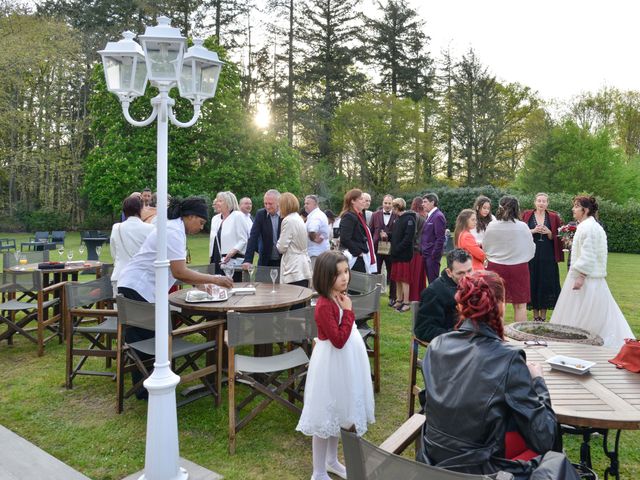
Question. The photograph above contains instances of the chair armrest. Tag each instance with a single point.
(405, 435)
(198, 327)
(55, 286)
(93, 312)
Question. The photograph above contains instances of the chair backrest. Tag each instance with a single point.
(136, 314)
(57, 236)
(261, 328)
(21, 282)
(41, 237)
(263, 274)
(365, 461)
(415, 306)
(9, 258)
(365, 282)
(81, 294)
(208, 268)
(366, 304)
(106, 269)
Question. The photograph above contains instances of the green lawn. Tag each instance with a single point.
(82, 429)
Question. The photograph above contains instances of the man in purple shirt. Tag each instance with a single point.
(433, 236)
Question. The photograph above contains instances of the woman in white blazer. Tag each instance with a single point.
(295, 265)
(585, 300)
(228, 238)
(127, 237)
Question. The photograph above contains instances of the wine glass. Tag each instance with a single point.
(70, 255)
(81, 249)
(274, 274)
(250, 269)
(23, 260)
(98, 251)
(228, 271)
(60, 252)
(17, 255)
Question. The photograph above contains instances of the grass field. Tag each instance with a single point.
(81, 428)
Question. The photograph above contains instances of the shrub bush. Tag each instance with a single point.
(44, 219)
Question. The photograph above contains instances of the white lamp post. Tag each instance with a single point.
(127, 68)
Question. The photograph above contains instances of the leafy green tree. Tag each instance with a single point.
(396, 47)
(573, 160)
(375, 140)
(41, 122)
(221, 151)
(329, 74)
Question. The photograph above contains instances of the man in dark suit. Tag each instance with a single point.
(265, 233)
(437, 313)
(433, 236)
(382, 222)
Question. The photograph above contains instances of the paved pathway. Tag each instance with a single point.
(22, 460)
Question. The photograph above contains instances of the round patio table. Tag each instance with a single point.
(605, 398)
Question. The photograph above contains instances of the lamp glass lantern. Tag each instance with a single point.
(125, 69)
(200, 72)
(163, 48)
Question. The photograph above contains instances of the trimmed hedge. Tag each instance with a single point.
(621, 222)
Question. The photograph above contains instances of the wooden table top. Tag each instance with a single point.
(74, 267)
(606, 397)
(263, 300)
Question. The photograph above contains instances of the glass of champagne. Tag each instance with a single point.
(228, 271)
(274, 274)
(22, 261)
(60, 252)
(98, 251)
(250, 269)
(17, 256)
(81, 249)
(70, 255)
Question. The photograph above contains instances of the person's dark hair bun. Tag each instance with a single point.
(175, 208)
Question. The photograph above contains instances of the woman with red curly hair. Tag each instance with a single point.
(482, 397)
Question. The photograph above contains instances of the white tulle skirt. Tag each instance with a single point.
(338, 391)
(592, 308)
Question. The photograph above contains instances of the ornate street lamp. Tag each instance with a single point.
(197, 77)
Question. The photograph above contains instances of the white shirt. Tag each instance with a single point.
(126, 239)
(140, 274)
(318, 223)
(249, 222)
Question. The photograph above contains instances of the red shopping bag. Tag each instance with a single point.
(629, 356)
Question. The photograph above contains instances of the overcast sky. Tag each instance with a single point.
(557, 47)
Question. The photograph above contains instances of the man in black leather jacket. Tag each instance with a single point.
(478, 387)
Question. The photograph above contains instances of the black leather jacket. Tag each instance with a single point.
(478, 388)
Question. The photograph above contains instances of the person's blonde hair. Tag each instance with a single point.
(399, 204)
(288, 203)
(229, 199)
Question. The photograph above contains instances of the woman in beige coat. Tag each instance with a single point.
(295, 266)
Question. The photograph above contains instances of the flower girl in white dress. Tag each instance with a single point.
(338, 391)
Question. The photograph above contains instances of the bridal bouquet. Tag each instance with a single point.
(566, 233)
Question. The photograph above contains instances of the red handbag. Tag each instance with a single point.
(629, 356)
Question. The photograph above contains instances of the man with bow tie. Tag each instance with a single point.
(382, 222)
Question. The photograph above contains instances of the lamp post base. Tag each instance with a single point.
(162, 452)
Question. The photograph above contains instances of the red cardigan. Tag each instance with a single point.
(327, 316)
(556, 223)
(467, 242)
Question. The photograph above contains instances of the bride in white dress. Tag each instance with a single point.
(586, 301)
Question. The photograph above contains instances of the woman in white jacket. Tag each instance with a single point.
(586, 301)
(228, 238)
(295, 266)
(127, 237)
